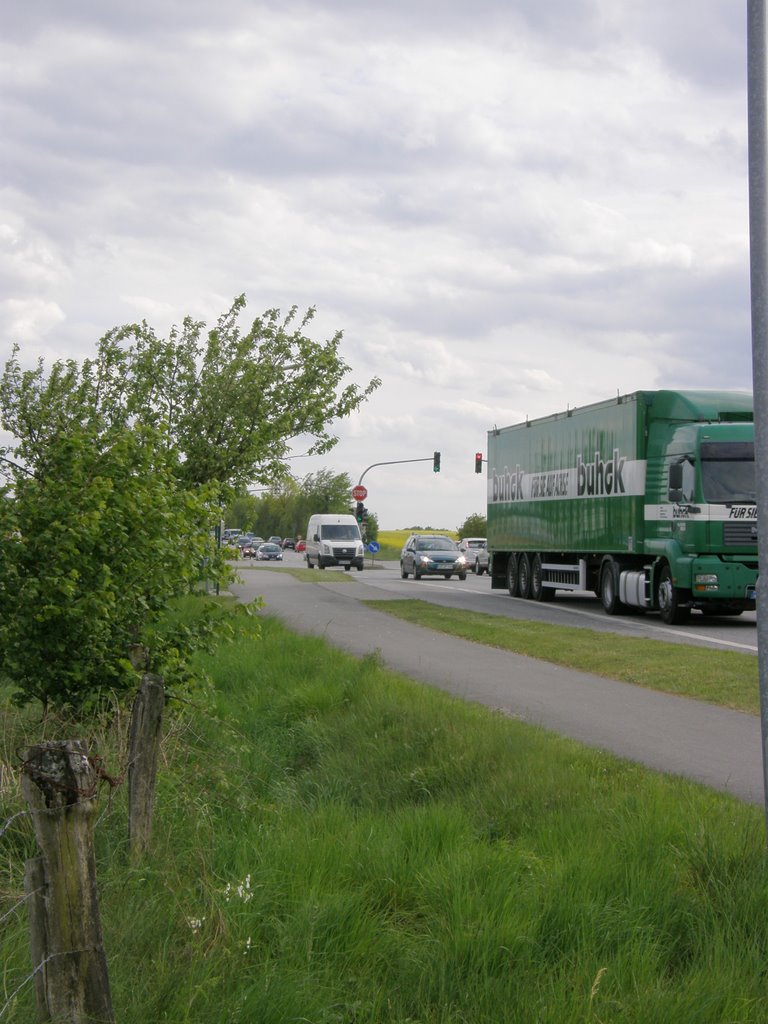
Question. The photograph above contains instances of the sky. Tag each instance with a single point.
(508, 207)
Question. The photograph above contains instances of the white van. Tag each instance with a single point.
(334, 540)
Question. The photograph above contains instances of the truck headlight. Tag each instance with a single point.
(706, 581)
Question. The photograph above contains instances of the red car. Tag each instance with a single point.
(301, 545)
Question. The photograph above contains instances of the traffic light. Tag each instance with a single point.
(360, 511)
(436, 462)
(478, 462)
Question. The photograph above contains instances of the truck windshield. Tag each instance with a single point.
(728, 471)
(340, 531)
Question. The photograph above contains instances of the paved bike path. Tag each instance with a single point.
(715, 746)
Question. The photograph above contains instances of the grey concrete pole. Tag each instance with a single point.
(757, 105)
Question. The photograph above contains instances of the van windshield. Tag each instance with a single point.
(339, 531)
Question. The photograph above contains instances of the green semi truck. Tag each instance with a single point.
(647, 499)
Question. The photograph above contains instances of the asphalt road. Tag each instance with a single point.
(714, 746)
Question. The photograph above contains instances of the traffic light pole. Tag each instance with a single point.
(395, 462)
(757, 106)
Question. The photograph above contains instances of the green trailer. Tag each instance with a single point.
(647, 499)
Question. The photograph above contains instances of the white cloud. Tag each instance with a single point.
(507, 209)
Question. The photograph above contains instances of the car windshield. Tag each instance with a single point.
(269, 547)
(340, 531)
(435, 544)
(475, 543)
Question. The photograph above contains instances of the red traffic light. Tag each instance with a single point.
(478, 462)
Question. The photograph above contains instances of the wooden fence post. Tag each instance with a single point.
(143, 754)
(60, 784)
(34, 887)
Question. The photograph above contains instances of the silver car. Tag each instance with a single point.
(432, 555)
(475, 550)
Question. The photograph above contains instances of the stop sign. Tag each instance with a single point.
(359, 493)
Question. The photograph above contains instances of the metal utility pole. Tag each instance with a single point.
(434, 459)
(757, 105)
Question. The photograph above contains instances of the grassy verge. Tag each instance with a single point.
(727, 678)
(307, 575)
(337, 845)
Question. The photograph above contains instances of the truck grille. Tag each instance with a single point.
(743, 534)
(344, 552)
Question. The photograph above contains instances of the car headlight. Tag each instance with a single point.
(424, 559)
(461, 560)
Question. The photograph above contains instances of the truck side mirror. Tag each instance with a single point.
(316, 538)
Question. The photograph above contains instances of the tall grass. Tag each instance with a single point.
(334, 843)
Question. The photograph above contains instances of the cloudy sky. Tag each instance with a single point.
(509, 207)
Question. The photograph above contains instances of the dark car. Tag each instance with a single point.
(269, 553)
(432, 555)
(289, 544)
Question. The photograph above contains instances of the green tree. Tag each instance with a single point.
(475, 525)
(119, 470)
(285, 509)
(372, 527)
(241, 512)
(229, 403)
(92, 547)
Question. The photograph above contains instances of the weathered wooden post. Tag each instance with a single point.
(35, 888)
(72, 983)
(143, 754)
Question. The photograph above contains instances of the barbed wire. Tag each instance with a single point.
(20, 902)
(10, 821)
(28, 767)
(36, 971)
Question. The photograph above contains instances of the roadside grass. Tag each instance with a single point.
(336, 844)
(727, 678)
(307, 575)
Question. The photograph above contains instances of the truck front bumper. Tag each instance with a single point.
(712, 579)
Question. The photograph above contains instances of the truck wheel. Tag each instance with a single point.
(609, 589)
(513, 579)
(524, 575)
(538, 591)
(309, 564)
(670, 608)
